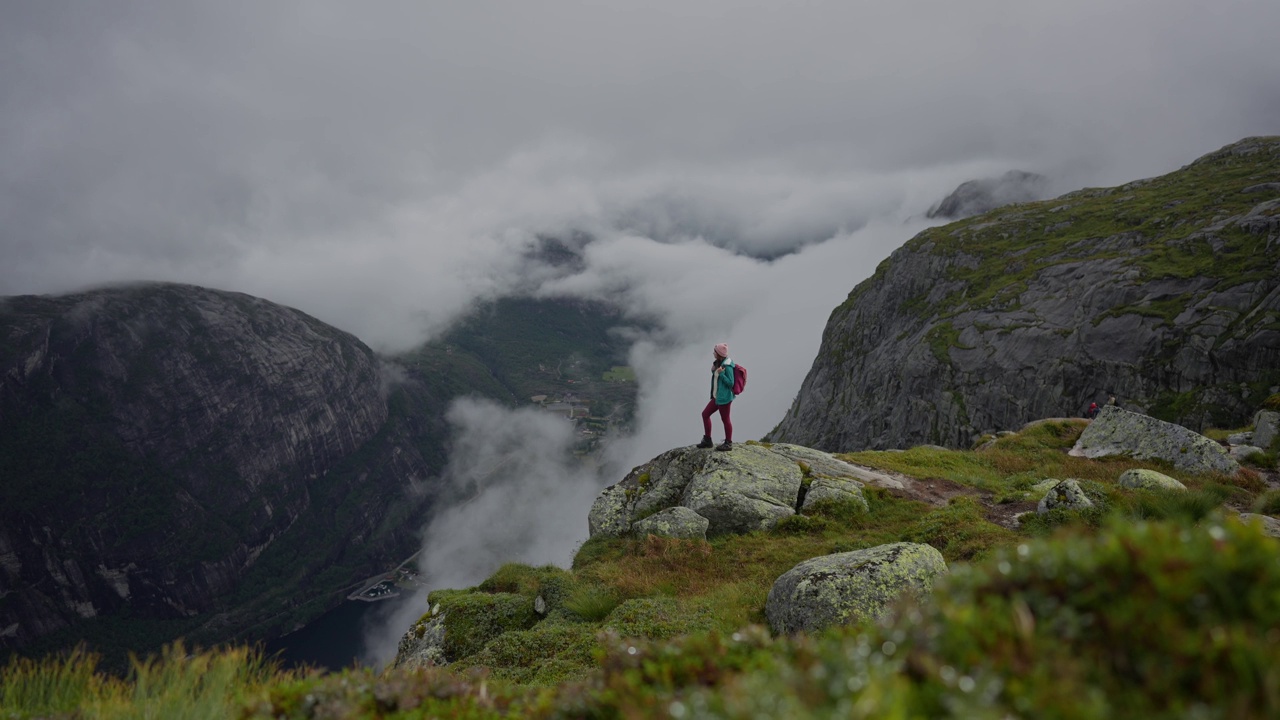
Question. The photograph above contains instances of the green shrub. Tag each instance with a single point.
(1272, 402)
(554, 584)
(591, 602)
(639, 678)
(1155, 616)
(1043, 523)
(840, 513)
(959, 531)
(801, 525)
(360, 693)
(1190, 506)
(657, 618)
(51, 686)
(1045, 435)
(598, 549)
(174, 684)
(1265, 460)
(547, 654)
(1143, 620)
(1221, 434)
(1268, 503)
(472, 619)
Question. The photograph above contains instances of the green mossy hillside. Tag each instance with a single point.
(1002, 249)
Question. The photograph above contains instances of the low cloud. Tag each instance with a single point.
(770, 312)
(515, 493)
(383, 167)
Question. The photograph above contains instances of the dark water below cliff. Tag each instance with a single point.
(335, 640)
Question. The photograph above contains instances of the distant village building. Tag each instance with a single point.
(559, 408)
(538, 399)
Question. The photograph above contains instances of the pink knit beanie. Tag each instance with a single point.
(722, 350)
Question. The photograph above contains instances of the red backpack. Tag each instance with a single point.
(739, 379)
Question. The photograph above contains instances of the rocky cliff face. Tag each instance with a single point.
(161, 444)
(1162, 292)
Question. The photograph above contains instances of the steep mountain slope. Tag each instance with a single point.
(1164, 292)
(176, 460)
(172, 453)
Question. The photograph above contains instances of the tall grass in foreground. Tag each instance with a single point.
(176, 685)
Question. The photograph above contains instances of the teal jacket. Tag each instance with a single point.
(722, 383)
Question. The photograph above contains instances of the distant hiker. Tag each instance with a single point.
(722, 395)
(1093, 411)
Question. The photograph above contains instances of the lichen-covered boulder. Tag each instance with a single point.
(1240, 438)
(1042, 488)
(610, 513)
(1270, 525)
(652, 486)
(1242, 452)
(750, 488)
(850, 587)
(1120, 432)
(819, 463)
(1066, 495)
(747, 489)
(423, 645)
(1149, 480)
(1266, 428)
(838, 489)
(676, 522)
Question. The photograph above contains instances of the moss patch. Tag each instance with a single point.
(472, 619)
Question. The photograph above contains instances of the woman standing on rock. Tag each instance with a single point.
(721, 398)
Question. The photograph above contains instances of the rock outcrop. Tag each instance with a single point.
(1242, 453)
(160, 442)
(1065, 495)
(423, 645)
(850, 587)
(975, 197)
(835, 490)
(1120, 432)
(1163, 292)
(676, 522)
(1270, 525)
(749, 488)
(1266, 428)
(1148, 480)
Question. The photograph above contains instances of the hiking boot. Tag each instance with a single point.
(726, 445)
(706, 442)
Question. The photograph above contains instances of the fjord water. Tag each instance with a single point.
(335, 640)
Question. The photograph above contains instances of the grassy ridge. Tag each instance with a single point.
(1155, 223)
(1153, 606)
(214, 685)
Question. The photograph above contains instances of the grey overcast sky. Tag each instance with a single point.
(382, 164)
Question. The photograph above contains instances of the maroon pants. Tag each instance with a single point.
(724, 418)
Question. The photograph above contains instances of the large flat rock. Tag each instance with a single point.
(1120, 432)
